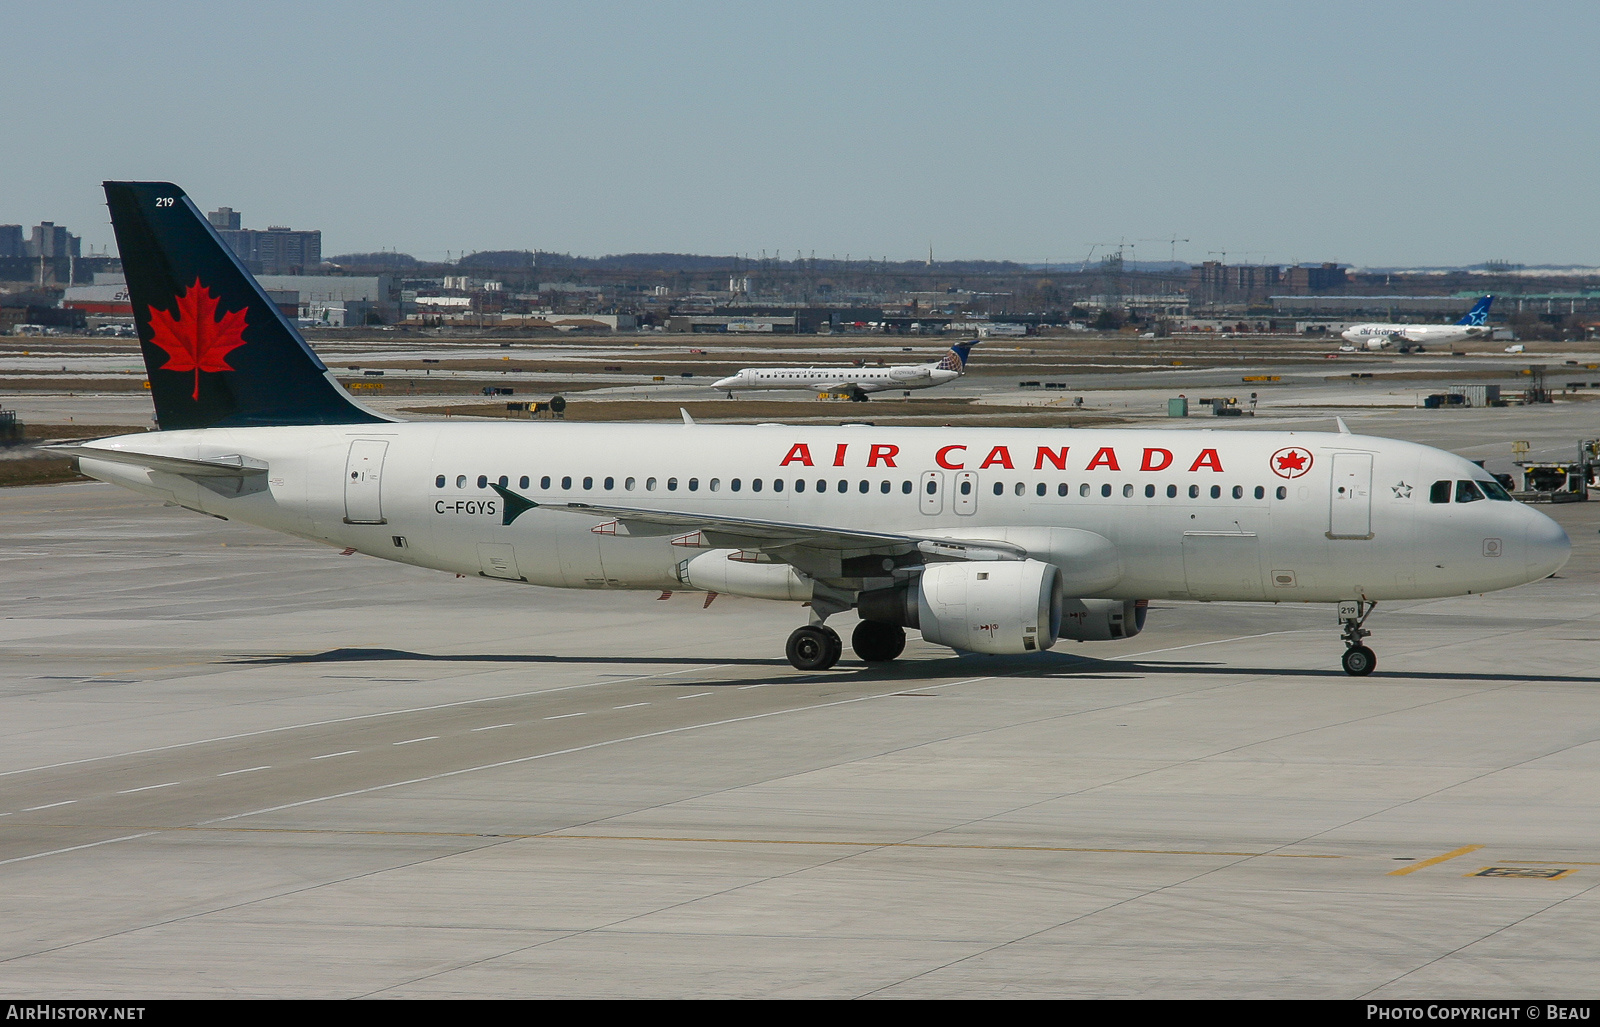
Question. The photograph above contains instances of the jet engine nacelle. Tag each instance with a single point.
(1101, 620)
(1001, 606)
(728, 572)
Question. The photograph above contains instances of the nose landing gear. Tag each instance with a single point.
(1358, 660)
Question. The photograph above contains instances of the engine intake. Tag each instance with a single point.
(997, 607)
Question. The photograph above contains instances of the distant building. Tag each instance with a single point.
(1305, 280)
(276, 251)
(50, 240)
(1216, 282)
(11, 241)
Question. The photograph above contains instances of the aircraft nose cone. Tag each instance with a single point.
(1548, 547)
(725, 383)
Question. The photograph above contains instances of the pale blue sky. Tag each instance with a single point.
(1371, 133)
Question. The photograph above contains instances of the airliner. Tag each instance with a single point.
(858, 382)
(1412, 337)
(985, 540)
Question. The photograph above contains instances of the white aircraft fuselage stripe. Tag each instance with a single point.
(1182, 514)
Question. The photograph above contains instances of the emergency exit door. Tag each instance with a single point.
(363, 482)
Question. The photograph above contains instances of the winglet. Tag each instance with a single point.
(515, 505)
(1344, 429)
(687, 420)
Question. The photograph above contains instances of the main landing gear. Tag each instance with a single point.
(818, 647)
(814, 647)
(1358, 660)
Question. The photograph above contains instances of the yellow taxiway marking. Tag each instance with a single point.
(1413, 868)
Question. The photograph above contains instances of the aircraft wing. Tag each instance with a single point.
(759, 534)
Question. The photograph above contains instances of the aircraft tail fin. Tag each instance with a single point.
(956, 359)
(1479, 314)
(218, 351)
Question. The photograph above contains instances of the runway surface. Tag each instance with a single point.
(236, 764)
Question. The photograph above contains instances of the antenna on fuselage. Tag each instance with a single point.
(1344, 429)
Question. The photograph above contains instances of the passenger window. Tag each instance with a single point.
(1216, 492)
(544, 482)
(1194, 492)
(483, 481)
(883, 486)
(672, 484)
(694, 484)
(999, 488)
(522, 483)
(1261, 493)
(1039, 489)
(1020, 488)
(611, 483)
(777, 484)
(736, 484)
(588, 483)
(566, 481)
(1238, 492)
(905, 488)
(629, 483)
(1283, 492)
(1105, 491)
(1172, 492)
(1149, 492)
(799, 484)
(932, 488)
(1127, 492)
(1440, 493)
(1467, 492)
(755, 484)
(866, 486)
(844, 486)
(649, 484)
(439, 482)
(1063, 488)
(504, 481)
(715, 484)
(1083, 490)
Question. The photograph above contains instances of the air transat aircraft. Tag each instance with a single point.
(1380, 336)
(984, 539)
(857, 381)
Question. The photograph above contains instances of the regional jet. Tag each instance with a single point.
(1410, 338)
(858, 382)
(987, 540)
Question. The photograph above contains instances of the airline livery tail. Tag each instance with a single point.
(217, 350)
(1479, 314)
(956, 359)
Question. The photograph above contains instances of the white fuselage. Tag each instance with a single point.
(834, 379)
(1181, 514)
(1379, 336)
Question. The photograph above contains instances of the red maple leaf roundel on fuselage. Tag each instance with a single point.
(197, 339)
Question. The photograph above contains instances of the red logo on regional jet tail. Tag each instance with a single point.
(1291, 462)
(197, 339)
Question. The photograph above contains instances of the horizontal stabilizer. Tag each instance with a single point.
(229, 466)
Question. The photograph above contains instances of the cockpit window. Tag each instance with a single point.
(1440, 493)
(1467, 491)
(1495, 490)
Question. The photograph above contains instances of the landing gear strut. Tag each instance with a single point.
(814, 647)
(1358, 660)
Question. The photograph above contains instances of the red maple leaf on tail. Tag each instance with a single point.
(197, 339)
